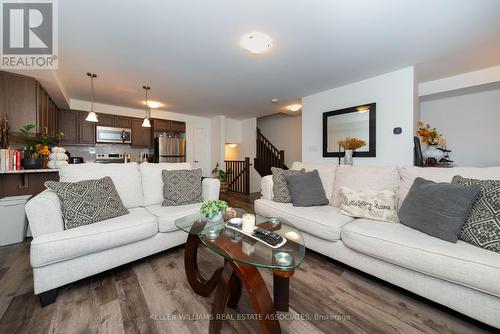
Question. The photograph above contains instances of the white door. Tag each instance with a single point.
(201, 147)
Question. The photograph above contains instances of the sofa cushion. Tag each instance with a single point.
(137, 225)
(280, 187)
(152, 182)
(460, 263)
(364, 178)
(409, 173)
(181, 187)
(482, 227)
(326, 172)
(323, 222)
(167, 215)
(88, 201)
(437, 208)
(306, 189)
(126, 178)
(377, 205)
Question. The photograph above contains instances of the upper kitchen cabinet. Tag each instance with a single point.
(161, 126)
(18, 100)
(116, 121)
(178, 126)
(141, 137)
(77, 131)
(24, 101)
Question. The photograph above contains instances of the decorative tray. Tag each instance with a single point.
(253, 237)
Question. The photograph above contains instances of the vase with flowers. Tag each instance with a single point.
(36, 149)
(350, 145)
(432, 138)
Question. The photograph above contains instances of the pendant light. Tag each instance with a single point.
(146, 123)
(92, 116)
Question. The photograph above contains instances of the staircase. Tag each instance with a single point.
(267, 156)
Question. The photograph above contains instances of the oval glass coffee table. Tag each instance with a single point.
(243, 256)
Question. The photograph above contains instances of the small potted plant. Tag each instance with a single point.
(36, 149)
(350, 145)
(222, 176)
(213, 210)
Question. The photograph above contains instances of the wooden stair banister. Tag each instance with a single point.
(267, 156)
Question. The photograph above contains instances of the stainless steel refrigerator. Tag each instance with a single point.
(170, 149)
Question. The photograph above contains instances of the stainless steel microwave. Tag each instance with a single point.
(106, 134)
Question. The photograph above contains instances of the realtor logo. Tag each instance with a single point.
(29, 34)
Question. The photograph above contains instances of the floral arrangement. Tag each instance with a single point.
(37, 147)
(428, 135)
(211, 208)
(352, 143)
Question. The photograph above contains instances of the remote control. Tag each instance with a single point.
(267, 236)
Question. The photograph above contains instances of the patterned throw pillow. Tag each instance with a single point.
(482, 227)
(87, 202)
(181, 187)
(280, 187)
(376, 205)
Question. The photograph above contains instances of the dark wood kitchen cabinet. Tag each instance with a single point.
(25, 101)
(77, 131)
(86, 131)
(141, 137)
(106, 120)
(114, 121)
(123, 122)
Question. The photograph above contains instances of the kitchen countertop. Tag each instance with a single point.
(24, 171)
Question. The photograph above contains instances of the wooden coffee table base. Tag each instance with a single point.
(227, 293)
(229, 281)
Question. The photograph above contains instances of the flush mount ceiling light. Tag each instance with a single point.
(294, 107)
(92, 116)
(153, 104)
(146, 123)
(256, 42)
(363, 109)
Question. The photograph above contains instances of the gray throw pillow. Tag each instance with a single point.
(306, 189)
(88, 201)
(437, 209)
(482, 227)
(181, 187)
(280, 187)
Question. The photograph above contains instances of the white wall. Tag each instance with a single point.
(394, 94)
(285, 132)
(233, 131)
(218, 138)
(248, 148)
(192, 122)
(470, 123)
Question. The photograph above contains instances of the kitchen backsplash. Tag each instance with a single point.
(88, 153)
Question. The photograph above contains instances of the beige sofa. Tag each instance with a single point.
(60, 256)
(460, 276)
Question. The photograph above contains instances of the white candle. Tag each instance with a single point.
(293, 236)
(248, 222)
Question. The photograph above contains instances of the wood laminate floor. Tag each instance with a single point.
(152, 296)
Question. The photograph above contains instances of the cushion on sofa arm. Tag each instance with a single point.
(375, 178)
(55, 247)
(460, 263)
(44, 213)
(266, 185)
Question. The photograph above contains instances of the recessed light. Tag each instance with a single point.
(232, 145)
(256, 42)
(274, 100)
(153, 104)
(294, 107)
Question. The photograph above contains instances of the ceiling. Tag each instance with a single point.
(188, 51)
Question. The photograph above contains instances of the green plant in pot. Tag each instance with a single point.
(36, 148)
(213, 210)
(222, 176)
